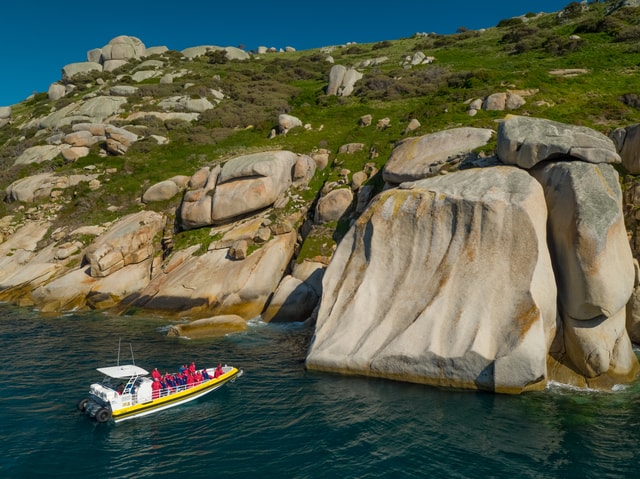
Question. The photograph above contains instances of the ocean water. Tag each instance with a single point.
(279, 420)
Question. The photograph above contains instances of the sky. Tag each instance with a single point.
(37, 39)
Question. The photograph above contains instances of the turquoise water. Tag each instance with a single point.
(279, 420)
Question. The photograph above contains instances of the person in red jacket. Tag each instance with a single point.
(155, 389)
(219, 372)
(192, 367)
(190, 380)
(156, 374)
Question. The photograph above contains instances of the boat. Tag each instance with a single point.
(127, 392)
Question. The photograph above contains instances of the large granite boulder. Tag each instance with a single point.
(129, 241)
(197, 204)
(587, 238)
(448, 283)
(120, 50)
(526, 141)
(252, 182)
(342, 80)
(413, 158)
(73, 69)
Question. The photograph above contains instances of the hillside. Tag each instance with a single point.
(215, 184)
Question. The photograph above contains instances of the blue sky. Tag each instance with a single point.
(38, 39)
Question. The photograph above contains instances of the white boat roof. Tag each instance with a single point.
(124, 371)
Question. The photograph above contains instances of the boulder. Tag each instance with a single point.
(98, 109)
(73, 69)
(56, 91)
(627, 141)
(119, 140)
(600, 346)
(82, 138)
(209, 327)
(413, 158)
(39, 154)
(161, 191)
(128, 241)
(286, 122)
(468, 301)
(526, 141)
(303, 170)
(5, 112)
(336, 76)
(351, 76)
(252, 182)
(123, 47)
(75, 153)
(587, 238)
(333, 205)
(293, 301)
(197, 204)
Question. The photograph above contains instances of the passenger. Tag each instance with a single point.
(169, 382)
(120, 388)
(205, 375)
(183, 368)
(190, 381)
(219, 372)
(155, 389)
(156, 374)
(192, 367)
(198, 377)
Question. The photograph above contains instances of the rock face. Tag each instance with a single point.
(460, 303)
(525, 141)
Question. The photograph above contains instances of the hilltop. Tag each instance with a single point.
(216, 184)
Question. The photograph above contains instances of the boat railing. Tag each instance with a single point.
(168, 391)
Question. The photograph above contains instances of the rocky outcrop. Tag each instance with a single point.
(526, 141)
(239, 287)
(438, 310)
(130, 241)
(38, 187)
(243, 185)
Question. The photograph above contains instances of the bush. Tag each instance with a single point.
(631, 99)
(510, 22)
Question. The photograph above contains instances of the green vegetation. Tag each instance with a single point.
(518, 54)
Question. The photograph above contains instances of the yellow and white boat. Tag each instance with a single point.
(127, 391)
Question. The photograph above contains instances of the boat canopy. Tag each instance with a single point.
(125, 371)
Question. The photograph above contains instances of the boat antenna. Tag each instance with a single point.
(132, 359)
(119, 340)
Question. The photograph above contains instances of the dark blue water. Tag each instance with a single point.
(279, 420)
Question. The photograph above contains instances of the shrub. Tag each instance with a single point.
(510, 22)
(216, 57)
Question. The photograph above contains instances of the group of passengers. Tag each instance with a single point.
(187, 377)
